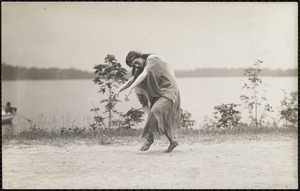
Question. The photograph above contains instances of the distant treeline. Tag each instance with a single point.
(225, 72)
(22, 73)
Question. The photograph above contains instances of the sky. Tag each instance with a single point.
(188, 35)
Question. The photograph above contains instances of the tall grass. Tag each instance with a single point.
(67, 129)
(105, 136)
(241, 129)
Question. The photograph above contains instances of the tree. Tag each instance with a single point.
(254, 100)
(109, 76)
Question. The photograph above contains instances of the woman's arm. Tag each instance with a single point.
(138, 80)
(124, 86)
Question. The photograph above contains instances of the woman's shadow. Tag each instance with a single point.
(159, 152)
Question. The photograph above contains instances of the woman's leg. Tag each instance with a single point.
(173, 144)
(162, 117)
(149, 124)
(148, 143)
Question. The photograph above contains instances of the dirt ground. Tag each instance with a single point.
(267, 162)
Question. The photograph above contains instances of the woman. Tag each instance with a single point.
(155, 81)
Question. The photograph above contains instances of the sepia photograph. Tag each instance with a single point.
(149, 95)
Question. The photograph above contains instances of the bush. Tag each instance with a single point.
(226, 115)
(132, 117)
(289, 108)
(186, 120)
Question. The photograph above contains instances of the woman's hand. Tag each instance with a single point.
(115, 94)
(127, 95)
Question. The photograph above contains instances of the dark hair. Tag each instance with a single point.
(133, 55)
(136, 71)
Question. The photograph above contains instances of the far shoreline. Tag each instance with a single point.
(56, 79)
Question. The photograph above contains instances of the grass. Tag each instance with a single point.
(104, 136)
(66, 130)
(217, 135)
(241, 129)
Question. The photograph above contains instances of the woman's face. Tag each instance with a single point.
(138, 63)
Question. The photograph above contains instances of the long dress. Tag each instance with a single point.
(160, 94)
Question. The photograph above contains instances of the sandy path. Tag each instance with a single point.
(230, 164)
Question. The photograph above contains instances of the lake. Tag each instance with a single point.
(62, 102)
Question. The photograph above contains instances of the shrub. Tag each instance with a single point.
(186, 120)
(289, 108)
(132, 117)
(226, 115)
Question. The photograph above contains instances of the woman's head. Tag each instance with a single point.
(137, 61)
(131, 56)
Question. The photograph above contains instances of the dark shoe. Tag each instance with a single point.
(146, 145)
(171, 147)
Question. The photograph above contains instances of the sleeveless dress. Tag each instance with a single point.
(159, 95)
